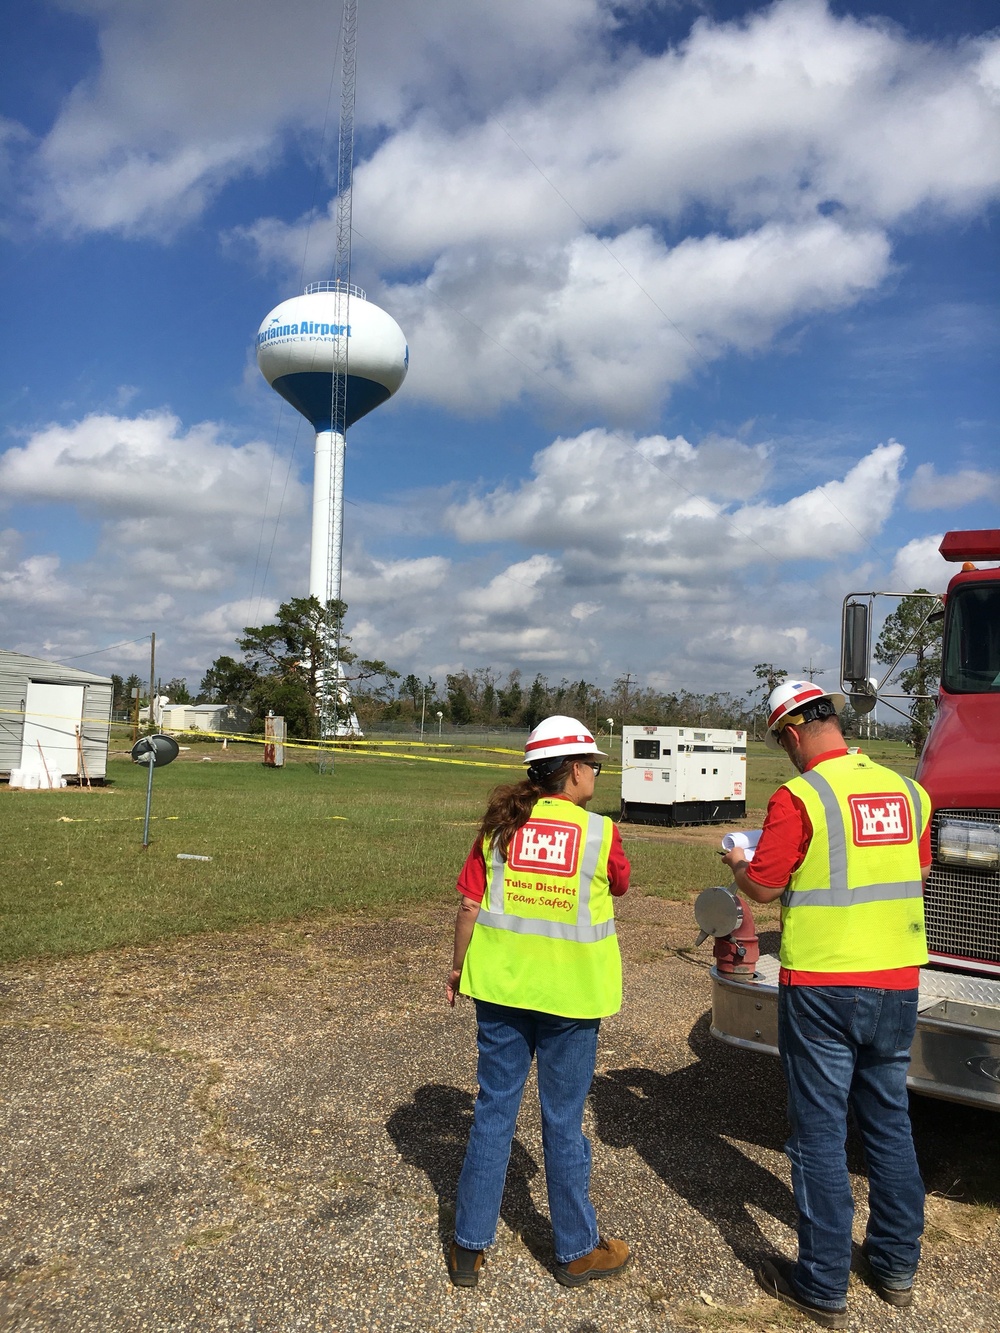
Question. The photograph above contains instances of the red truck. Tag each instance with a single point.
(956, 1053)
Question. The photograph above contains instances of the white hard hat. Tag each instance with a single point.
(788, 699)
(557, 737)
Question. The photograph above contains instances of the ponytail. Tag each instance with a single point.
(510, 805)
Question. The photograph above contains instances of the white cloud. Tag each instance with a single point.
(368, 582)
(931, 489)
(144, 465)
(514, 589)
(649, 509)
(189, 95)
(183, 517)
(788, 109)
(837, 518)
(615, 534)
(565, 325)
(919, 564)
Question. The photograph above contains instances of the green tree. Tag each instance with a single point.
(911, 639)
(770, 677)
(509, 698)
(283, 662)
(227, 682)
(413, 689)
(176, 690)
(459, 704)
(292, 648)
(536, 704)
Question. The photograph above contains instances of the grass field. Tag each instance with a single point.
(373, 836)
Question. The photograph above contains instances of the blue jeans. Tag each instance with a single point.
(566, 1049)
(849, 1046)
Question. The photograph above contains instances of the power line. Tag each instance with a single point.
(96, 651)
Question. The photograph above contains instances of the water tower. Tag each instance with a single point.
(335, 357)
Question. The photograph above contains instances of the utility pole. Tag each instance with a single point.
(813, 671)
(626, 682)
(152, 676)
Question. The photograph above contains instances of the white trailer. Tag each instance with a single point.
(683, 775)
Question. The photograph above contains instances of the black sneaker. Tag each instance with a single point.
(464, 1265)
(901, 1297)
(775, 1277)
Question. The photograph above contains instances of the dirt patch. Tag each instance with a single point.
(263, 1130)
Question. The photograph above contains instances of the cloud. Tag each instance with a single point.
(837, 518)
(183, 517)
(566, 325)
(147, 466)
(147, 140)
(930, 489)
(375, 583)
(515, 588)
(654, 508)
(786, 110)
(919, 564)
(613, 532)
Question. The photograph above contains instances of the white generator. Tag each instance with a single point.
(683, 775)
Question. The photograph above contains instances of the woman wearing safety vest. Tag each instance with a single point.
(535, 947)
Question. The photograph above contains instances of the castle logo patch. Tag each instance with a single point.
(880, 819)
(545, 847)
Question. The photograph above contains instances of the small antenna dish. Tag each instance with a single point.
(864, 700)
(155, 752)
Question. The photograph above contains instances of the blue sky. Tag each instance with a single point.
(702, 303)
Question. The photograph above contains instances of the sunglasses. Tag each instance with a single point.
(592, 763)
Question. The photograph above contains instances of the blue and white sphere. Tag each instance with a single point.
(298, 341)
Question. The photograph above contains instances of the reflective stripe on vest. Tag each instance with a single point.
(855, 904)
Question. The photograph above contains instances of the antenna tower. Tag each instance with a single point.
(332, 693)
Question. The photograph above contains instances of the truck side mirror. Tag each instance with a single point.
(855, 659)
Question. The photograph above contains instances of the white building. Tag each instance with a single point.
(54, 719)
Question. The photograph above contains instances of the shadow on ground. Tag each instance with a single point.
(688, 1127)
(430, 1132)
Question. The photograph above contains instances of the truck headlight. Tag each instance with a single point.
(976, 846)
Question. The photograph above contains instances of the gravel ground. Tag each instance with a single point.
(262, 1131)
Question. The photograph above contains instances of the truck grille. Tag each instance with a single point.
(962, 906)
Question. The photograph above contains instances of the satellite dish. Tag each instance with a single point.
(864, 700)
(717, 912)
(155, 750)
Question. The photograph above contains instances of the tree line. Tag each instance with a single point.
(279, 671)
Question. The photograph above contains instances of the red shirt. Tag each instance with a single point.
(784, 841)
(472, 877)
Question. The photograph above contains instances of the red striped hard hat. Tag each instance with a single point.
(557, 737)
(787, 701)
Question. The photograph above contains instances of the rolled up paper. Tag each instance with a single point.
(748, 841)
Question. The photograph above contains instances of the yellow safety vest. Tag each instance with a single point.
(545, 935)
(856, 904)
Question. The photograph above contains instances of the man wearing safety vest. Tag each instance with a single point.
(846, 846)
(535, 946)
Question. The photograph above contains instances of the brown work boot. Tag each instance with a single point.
(607, 1258)
(464, 1265)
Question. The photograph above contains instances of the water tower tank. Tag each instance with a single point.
(301, 348)
(296, 348)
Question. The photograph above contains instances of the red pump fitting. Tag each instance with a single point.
(737, 953)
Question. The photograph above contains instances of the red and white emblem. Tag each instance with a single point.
(545, 847)
(880, 819)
